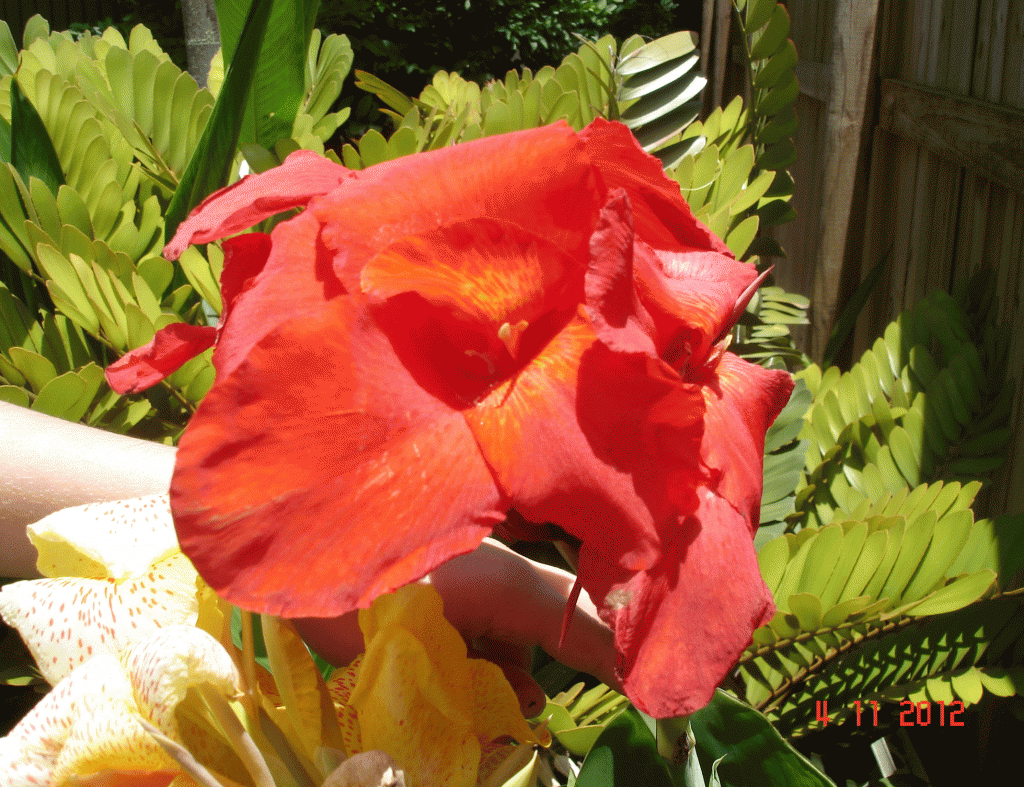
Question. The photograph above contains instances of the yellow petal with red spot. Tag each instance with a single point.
(64, 622)
(114, 540)
(88, 725)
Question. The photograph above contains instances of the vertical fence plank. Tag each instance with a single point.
(853, 42)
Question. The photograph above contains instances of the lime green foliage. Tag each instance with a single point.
(925, 403)
(99, 134)
(885, 585)
(576, 717)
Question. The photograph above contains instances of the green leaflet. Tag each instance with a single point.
(31, 151)
(577, 718)
(918, 406)
(882, 535)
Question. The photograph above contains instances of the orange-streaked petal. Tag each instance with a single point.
(567, 441)
(490, 270)
(301, 177)
(147, 365)
(539, 179)
(319, 441)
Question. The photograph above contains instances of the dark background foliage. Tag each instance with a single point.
(407, 41)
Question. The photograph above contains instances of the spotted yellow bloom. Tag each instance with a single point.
(151, 691)
(113, 574)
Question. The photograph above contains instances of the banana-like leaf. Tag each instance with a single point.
(275, 62)
(626, 753)
(210, 165)
(746, 749)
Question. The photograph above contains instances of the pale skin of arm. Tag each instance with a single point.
(501, 602)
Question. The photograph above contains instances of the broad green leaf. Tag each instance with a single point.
(749, 752)
(625, 754)
(277, 61)
(210, 165)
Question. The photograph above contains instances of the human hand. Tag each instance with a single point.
(503, 604)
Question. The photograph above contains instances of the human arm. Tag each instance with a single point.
(502, 604)
(47, 464)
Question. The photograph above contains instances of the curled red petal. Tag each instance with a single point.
(302, 176)
(691, 298)
(742, 400)
(317, 475)
(171, 347)
(681, 625)
(662, 217)
(618, 317)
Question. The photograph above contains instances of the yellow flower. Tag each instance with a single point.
(89, 725)
(111, 627)
(151, 691)
(416, 696)
(114, 575)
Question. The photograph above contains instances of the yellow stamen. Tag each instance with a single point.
(511, 335)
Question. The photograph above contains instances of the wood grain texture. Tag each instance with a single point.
(984, 137)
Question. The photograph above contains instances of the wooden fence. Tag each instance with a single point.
(911, 143)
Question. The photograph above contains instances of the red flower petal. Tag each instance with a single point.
(302, 176)
(692, 298)
(618, 317)
(318, 475)
(494, 177)
(743, 400)
(171, 347)
(681, 624)
(662, 217)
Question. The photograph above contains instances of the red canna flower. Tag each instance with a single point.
(533, 321)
